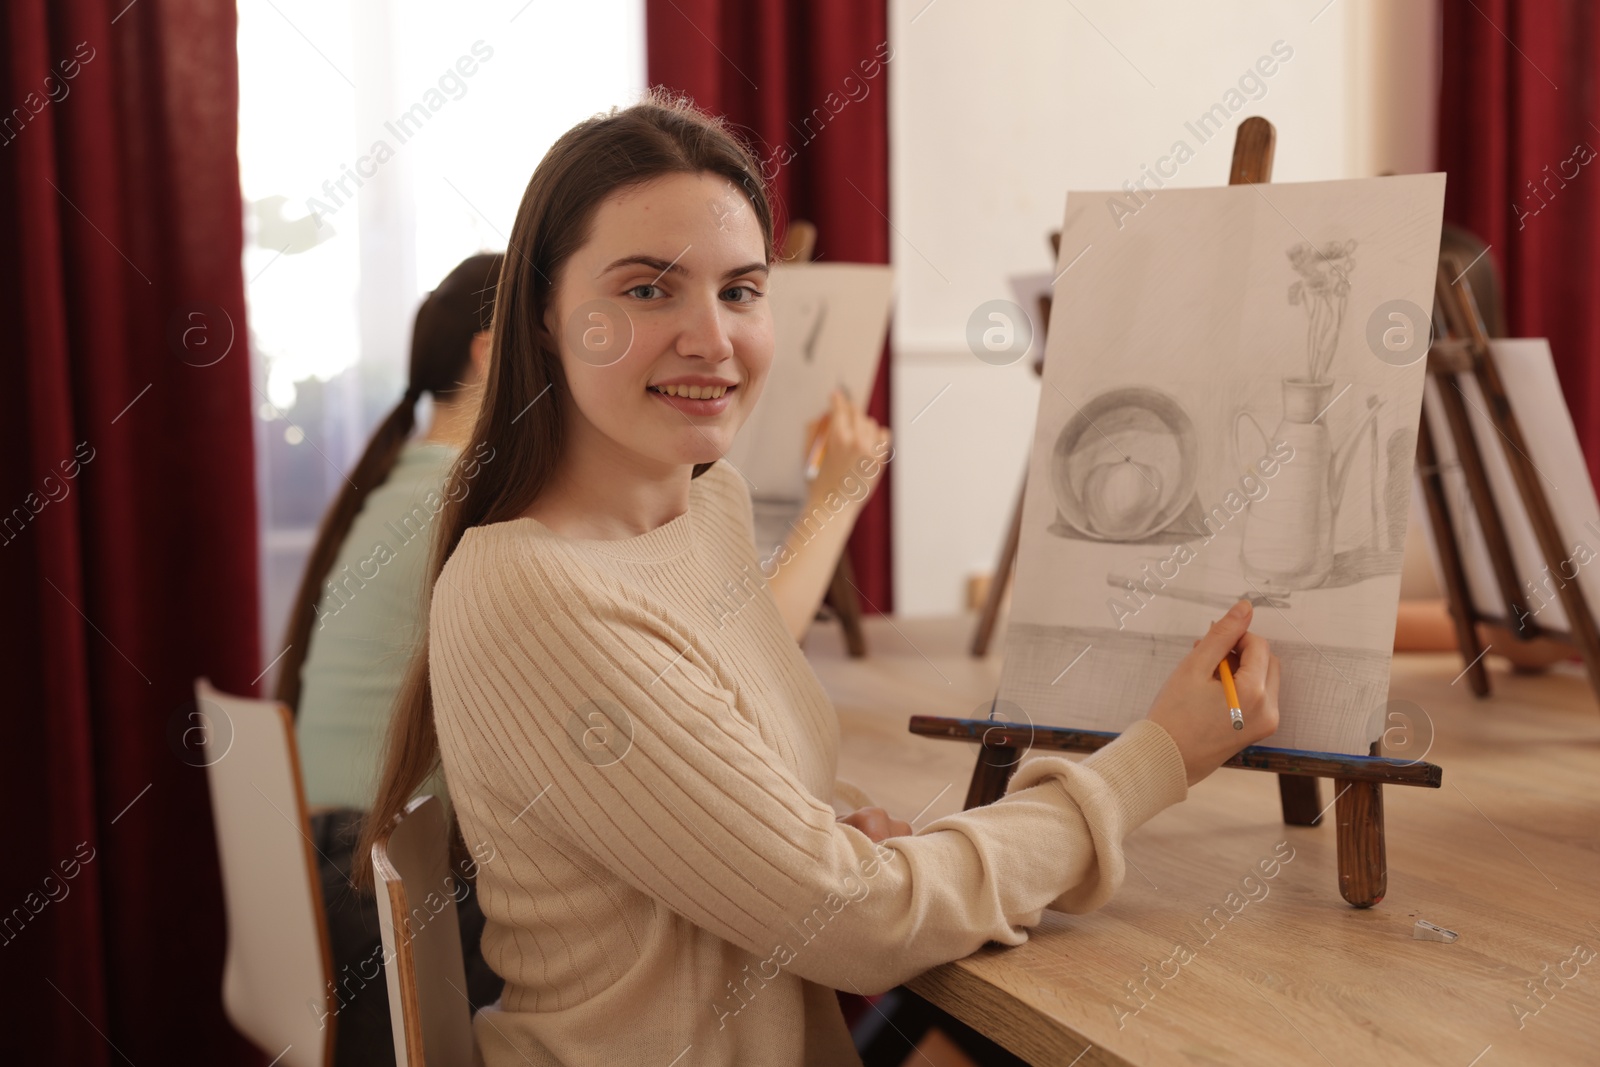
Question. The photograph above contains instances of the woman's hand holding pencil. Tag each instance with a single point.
(838, 442)
(1196, 706)
(846, 450)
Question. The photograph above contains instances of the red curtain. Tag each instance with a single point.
(807, 82)
(127, 520)
(1518, 103)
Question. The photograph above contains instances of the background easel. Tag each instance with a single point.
(1000, 581)
(1358, 780)
(1462, 347)
(841, 600)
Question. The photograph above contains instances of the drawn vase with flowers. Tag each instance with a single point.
(1288, 537)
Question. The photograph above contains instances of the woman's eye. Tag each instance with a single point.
(645, 292)
(740, 294)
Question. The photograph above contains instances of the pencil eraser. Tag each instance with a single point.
(1426, 931)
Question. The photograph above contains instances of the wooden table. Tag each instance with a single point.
(1507, 853)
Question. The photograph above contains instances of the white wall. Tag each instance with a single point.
(998, 109)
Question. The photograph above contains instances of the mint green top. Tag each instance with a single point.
(369, 618)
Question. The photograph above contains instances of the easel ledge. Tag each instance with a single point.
(1015, 736)
(1358, 783)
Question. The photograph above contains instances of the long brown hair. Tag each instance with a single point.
(660, 136)
(441, 348)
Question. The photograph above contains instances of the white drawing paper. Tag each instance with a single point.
(1215, 423)
(1528, 372)
(829, 321)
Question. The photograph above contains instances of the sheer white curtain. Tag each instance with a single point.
(381, 142)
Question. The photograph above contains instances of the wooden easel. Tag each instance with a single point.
(1462, 347)
(841, 599)
(989, 614)
(1357, 780)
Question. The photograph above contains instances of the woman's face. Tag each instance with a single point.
(662, 319)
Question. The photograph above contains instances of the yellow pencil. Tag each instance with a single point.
(819, 441)
(1233, 695)
(818, 448)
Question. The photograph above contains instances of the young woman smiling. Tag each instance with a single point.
(654, 777)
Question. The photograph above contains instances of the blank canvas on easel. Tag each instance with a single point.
(1215, 423)
(1528, 372)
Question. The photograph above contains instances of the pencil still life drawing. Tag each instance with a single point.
(1202, 438)
(829, 321)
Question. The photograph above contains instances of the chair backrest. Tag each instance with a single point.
(422, 940)
(277, 981)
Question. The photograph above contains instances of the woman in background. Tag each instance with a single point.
(355, 620)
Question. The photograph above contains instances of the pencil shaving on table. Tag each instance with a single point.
(1427, 931)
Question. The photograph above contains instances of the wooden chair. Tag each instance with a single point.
(277, 981)
(422, 940)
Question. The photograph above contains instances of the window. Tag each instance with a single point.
(380, 143)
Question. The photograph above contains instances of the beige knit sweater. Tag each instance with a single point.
(631, 734)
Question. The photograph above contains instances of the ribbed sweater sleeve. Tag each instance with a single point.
(849, 797)
(592, 701)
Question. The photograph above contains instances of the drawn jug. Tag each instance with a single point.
(1288, 533)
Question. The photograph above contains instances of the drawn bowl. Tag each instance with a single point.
(1124, 465)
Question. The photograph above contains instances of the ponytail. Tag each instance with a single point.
(383, 451)
(441, 352)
